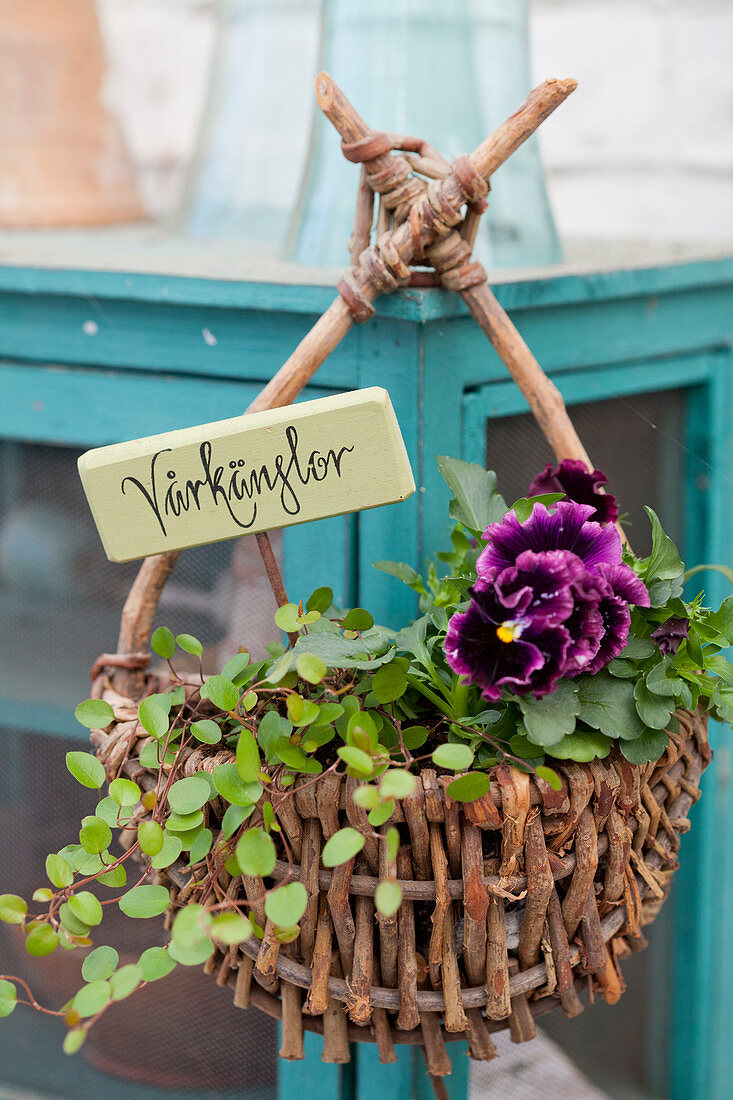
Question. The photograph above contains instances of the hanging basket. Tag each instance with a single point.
(512, 906)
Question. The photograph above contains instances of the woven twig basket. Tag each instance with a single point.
(512, 905)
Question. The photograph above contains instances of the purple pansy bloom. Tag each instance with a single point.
(568, 527)
(572, 478)
(551, 600)
(512, 633)
(671, 634)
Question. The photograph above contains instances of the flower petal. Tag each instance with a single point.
(573, 478)
(568, 527)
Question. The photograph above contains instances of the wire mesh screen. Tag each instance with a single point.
(61, 598)
(637, 441)
(60, 603)
(639, 444)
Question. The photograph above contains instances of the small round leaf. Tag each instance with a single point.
(95, 835)
(469, 787)
(42, 940)
(397, 784)
(125, 981)
(455, 758)
(99, 964)
(144, 901)
(92, 998)
(207, 731)
(59, 871)
(256, 853)
(388, 897)
(189, 644)
(188, 795)
(86, 908)
(310, 667)
(86, 769)
(229, 928)
(163, 643)
(221, 691)
(286, 905)
(124, 792)
(342, 846)
(95, 714)
(150, 836)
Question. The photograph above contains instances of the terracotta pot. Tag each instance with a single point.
(62, 157)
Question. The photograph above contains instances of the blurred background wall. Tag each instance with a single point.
(643, 150)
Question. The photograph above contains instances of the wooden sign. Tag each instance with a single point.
(253, 473)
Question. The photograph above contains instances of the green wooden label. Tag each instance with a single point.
(252, 473)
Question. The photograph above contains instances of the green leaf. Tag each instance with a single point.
(358, 619)
(59, 871)
(397, 784)
(92, 998)
(360, 762)
(467, 788)
(95, 714)
(654, 710)
(95, 835)
(286, 617)
(232, 787)
(369, 651)
(638, 648)
(41, 940)
(201, 846)
(150, 836)
(114, 879)
(415, 737)
(99, 964)
(191, 925)
(144, 901)
(522, 508)
(125, 981)
(12, 909)
(207, 731)
(183, 823)
(74, 1040)
(582, 746)
(169, 853)
(664, 562)
(155, 963)
(649, 746)
(549, 719)
(8, 997)
(550, 777)
(294, 757)
(476, 502)
(235, 816)
(86, 908)
(390, 682)
(163, 643)
(319, 600)
(188, 795)
(308, 711)
(287, 904)
(608, 704)
(722, 569)
(388, 897)
(282, 667)
(402, 572)
(381, 813)
(221, 691)
(455, 758)
(230, 928)
(153, 718)
(310, 667)
(342, 847)
(189, 644)
(124, 792)
(235, 666)
(249, 764)
(86, 769)
(71, 923)
(192, 956)
(392, 838)
(256, 853)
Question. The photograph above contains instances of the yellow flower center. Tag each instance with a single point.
(508, 631)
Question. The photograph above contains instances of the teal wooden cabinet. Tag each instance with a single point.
(644, 358)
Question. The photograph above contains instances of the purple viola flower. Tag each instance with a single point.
(551, 600)
(616, 586)
(671, 634)
(573, 478)
(568, 527)
(512, 634)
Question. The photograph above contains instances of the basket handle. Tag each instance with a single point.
(400, 243)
